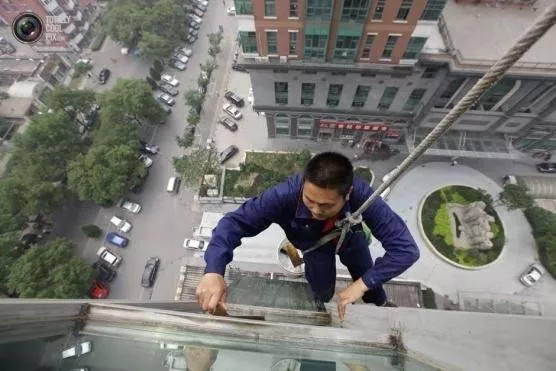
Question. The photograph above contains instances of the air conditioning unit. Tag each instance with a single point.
(283, 59)
(262, 59)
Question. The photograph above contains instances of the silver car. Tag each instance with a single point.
(532, 275)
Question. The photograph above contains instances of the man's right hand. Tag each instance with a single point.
(212, 292)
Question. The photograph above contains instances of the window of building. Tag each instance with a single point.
(414, 99)
(293, 43)
(282, 124)
(334, 94)
(403, 12)
(347, 133)
(315, 46)
(243, 7)
(293, 8)
(495, 94)
(379, 9)
(389, 47)
(281, 92)
(368, 45)
(429, 73)
(452, 88)
(270, 8)
(355, 10)
(248, 41)
(360, 96)
(272, 42)
(319, 9)
(346, 49)
(307, 93)
(305, 126)
(414, 47)
(387, 98)
(433, 9)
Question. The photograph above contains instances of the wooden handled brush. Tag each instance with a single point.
(293, 254)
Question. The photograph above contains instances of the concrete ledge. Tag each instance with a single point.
(433, 248)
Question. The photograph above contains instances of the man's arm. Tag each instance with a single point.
(392, 232)
(250, 219)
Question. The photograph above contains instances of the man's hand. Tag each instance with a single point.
(350, 295)
(199, 359)
(212, 292)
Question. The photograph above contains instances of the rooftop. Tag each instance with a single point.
(15, 107)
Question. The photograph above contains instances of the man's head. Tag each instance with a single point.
(328, 180)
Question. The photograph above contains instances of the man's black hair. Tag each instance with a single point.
(330, 170)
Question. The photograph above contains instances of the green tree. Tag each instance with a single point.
(151, 82)
(194, 118)
(50, 271)
(8, 255)
(104, 174)
(155, 75)
(158, 66)
(63, 96)
(214, 40)
(123, 21)
(542, 221)
(209, 66)
(14, 211)
(194, 100)
(131, 98)
(516, 196)
(80, 68)
(193, 166)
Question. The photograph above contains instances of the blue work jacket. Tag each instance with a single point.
(283, 205)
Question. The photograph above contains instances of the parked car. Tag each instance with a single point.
(169, 89)
(171, 80)
(122, 224)
(189, 243)
(227, 154)
(149, 274)
(251, 97)
(148, 148)
(185, 51)
(531, 275)
(166, 109)
(104, 273)
(98, 290)
(201, 7)
(198, 12)
(193, 32)
(231, 10)
(132, 207)
(234, 98)
(547, 167)
(166, 99)
(103, 75)
(137, 185)
(116, 239)
(146, 160)
(180, 57)
(191, 39)
(195, 18)
(202, 2)
(232, 111)
(109, 257)
(193, 24)
(228, 123)
(237, 67)
(78, 350)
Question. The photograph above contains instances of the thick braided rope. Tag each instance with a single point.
(493, 75)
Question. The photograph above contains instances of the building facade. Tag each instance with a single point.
(352, 70)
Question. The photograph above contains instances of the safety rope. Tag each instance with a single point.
(493, 75)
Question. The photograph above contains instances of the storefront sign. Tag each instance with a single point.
(360, 126)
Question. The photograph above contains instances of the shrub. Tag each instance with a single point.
(542, 222)
(99, 40)
(91, 230)
(81, 68)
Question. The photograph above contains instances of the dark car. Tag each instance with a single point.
(137, 185)
(103, 75)
(227, 154)
(168, 89)
(547, 167)
(234, 98)
(237, 67)
(99, 290)
(116, 239)
(149, 273)
(228, 123)
(104, 273)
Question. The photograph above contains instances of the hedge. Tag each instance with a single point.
(99, 40)
(543, 223)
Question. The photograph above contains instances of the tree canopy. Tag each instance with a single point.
(198, 162)
(516, 196)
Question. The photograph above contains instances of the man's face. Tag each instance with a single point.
(322, 202)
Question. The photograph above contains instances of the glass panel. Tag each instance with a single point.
(307, 93)
(319, 9)
(495, 94)
(433, 9)
(414, 99)
(293, 8)
(387, 98)
(281, 92)
(315, 46)
(403, 12)
(414, 47)
(248, 41)
(334, 94)
(270, 8)
(355, 10)
(389, 47)
(379, 10)
(243, 6)
(368, 45)
(361, 95)
(346, 49)
(293, 43)
(272, 42)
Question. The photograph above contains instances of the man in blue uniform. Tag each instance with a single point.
(306, 207)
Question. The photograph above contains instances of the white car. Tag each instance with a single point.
(231, 10)
(185, 51)
(178, 65)
(204, 3)
(166, 99)
(532, 275)
(132, 207)
(171, 80)
(109, 257)
(181, 58)
(386, 192)
(195, 244)
(78, 350)
(232, 110)
(122, 224)
(146, 160)
(251, 97)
